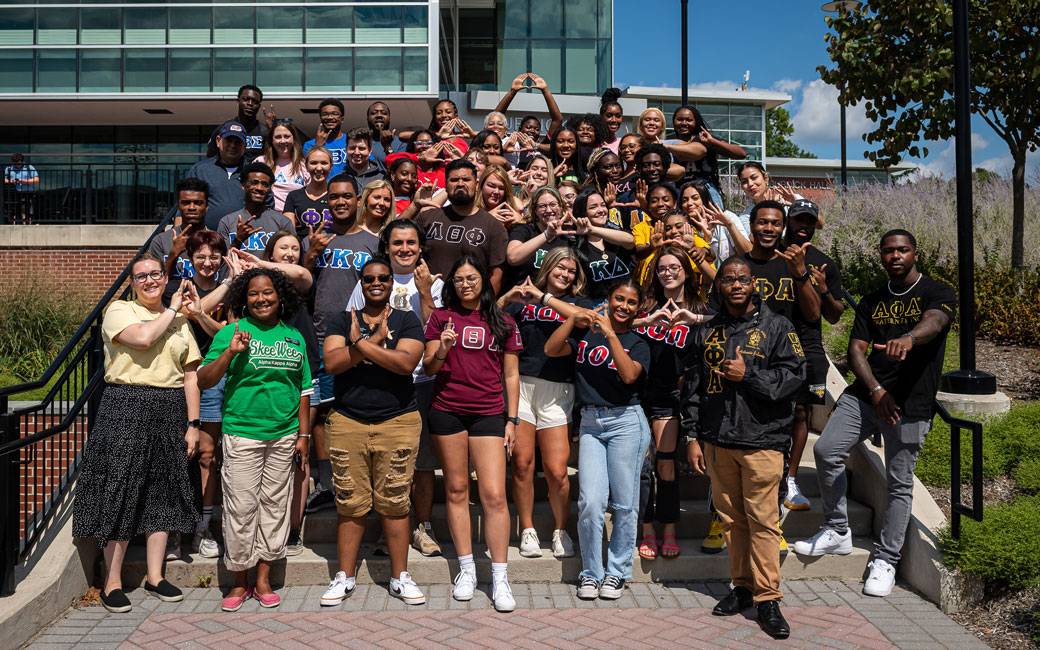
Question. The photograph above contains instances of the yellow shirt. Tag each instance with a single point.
(642, 232)
(161, 365)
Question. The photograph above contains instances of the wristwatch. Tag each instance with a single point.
(194, 423)
(514, 420)
(803, 277)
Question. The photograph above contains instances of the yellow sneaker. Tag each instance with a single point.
(783, 542)
(715, 542)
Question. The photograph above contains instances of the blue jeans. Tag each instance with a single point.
(613, 443)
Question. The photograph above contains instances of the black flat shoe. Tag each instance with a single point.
(772, 621)
(164, 591)
(735, 602)
(116, 601)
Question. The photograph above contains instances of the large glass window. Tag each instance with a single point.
(144, 71)
(56, 27)
(515, 17)
(279, 68)
(100, 70)
(581, 19)
(377, 69)
(233, 25)
(546, 60)
(581, 66)
(231, 65)
(101, 26)
(16, 26)
(329, 68)
(745, 117)
(189, 26)
(415, 24)
(279, 25)
(546, 18)
(512, 60)
(415, 69)
(189, 70)
(16, 71)
(377, 24)
(144, 26)
(330, 25)
(56, 71)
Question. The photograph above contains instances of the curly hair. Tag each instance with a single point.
(598, 124)
(288, 297)
(410, 146)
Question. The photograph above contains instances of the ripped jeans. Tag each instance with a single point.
(373, 463)
(613, 443)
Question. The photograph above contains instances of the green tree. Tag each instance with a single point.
(778, 135)
(897, 56)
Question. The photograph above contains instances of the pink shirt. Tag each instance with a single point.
(285, 182)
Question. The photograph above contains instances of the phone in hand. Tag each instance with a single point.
(298, 460)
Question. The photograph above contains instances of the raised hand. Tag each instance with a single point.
(448, 337)
(715, 216)
(585, 318)
(785, 193)
(234, 264)
(447, 129)
(818, 275)
(269, 115)
(177, 299)
(698, 254)
(386, 137)
(517, 175)
(795, 258)
(610, 194)
(451, 152)
(733, 369)
(539, 83)
(465, 128)
(322, 135)
(317, 238)
(423, 278)
(244, 231)
(560, 169)
(531, 292)
(582, 226)
(602, 321)
(381, 331)
(506, 215)
(641, 193)
(566, 227)
(239, 342)
(180, 242)
(355, 327)
(192, 304)
(657, 235)
(518, 83)
(246, 256)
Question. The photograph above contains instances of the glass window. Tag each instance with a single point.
(99, 70)
(279, 68)
(183, 139)
(512, 60)
(580, 58)
(546, 19)
(745, 117)
(545, 58)
(189, 69)
(279, 25)
(377, 25)
(232, 67)
(416, 69)
(581, 19)
(605, 60)
(233, 24)
(101, 26)
(329, 68)
(604, 17)
(56, 71)
(377, 69)
(746, 138)
(515, 21)
(16, 26)
(144, 71)
(93, 140)
(56, 27)
(189, 26)
(753, 153)
(330, 25)
(16, 73)
(144, 26)
(415, 21)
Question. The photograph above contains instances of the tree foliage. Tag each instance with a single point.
(897, 56)
(778, 135)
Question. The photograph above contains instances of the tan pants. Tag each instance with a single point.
(744, 485)
(257, 482)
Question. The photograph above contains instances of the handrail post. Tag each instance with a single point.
(10, 502)
(95, 362)
(955, 480)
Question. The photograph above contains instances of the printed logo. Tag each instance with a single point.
(254, 141)
(455, 233)
(897, 312)
(281, 355)
(796, 344)
(532, 313)
(312, 217)
(473, 338)
(783, 293)
(599, 271)
(342, 258)
(714, 355)
(400, 299)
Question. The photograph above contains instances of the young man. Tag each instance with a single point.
(745, 367)
(21, 181)
(802, 216)
(385, 139)
(903, 325)
(330, 134)
(250, 101)
(359, 162)
(251, 227)
(170, 245)
(462, 227)
(221, 173)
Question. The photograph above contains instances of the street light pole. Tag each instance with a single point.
(839, 7)
(685, 56)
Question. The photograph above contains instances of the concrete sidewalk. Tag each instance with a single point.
(828, 614)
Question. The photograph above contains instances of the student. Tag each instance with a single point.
(690, 126)
(384, 139)
(170, 246)
(611, 362)
(221, 174)
(308, 207)
(360, 164)
(250, 227)
(543, 230)
(613, 115)
(330, 134)
(250, 102)
(603, 250)
(283, 153)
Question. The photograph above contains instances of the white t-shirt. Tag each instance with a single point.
(721, 243)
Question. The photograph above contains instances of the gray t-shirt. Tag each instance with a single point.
(269, 222)
(337, 270)
(161, 246)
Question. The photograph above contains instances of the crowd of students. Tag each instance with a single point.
(393, 303)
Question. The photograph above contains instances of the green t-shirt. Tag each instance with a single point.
(264, 386)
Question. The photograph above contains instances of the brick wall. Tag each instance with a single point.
(90, 270)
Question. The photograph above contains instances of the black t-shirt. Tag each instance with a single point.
(308, 211)
(597, 379)
(218, 313)
(809, 332)
(529, 267)
(369, 392)
(537, 323)
(601, 267)
(626, 187)
(304, 322)
(668, 353)
(775, 285)
(883, 316)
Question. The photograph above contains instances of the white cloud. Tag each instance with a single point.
(943, 162)
(817, 120)
(788, 86)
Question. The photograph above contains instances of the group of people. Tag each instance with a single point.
(393, 303)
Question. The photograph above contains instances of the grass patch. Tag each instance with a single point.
(7, 379)
(35, 322)
(1003, 547)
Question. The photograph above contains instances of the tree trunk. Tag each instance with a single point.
(1018, 214)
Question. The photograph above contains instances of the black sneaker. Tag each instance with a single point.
(116, 601)
(164, 591)
(295, 544)
(772, 621)
(319, 500)
(588, 588)
(612, 587)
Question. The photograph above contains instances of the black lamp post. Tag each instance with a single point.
(842, 6)
(685, 56)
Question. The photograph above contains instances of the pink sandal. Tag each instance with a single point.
(234, 603)
(267, 600)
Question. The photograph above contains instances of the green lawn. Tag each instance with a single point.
(7, 379)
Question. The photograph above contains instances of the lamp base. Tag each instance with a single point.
(968, 382)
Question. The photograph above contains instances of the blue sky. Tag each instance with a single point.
(781, 43)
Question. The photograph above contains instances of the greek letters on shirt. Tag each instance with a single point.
(897, 312)
(342, 258)
(602, 270)
(184, 269)
(675, 336)
(254, 142)
(595, 356)
(455, 233)
(531, 313)
(312, 217)
(473, 338)
(279, 355)
(767, 291)
(714, 355)
(256, 242)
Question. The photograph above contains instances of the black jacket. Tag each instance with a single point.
(755, 413)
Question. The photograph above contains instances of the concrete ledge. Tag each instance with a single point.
(73, 236)
(994, 404)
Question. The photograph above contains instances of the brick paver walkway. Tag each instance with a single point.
(822, 615)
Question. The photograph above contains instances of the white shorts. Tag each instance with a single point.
(545, 404)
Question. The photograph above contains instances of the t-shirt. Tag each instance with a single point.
(668, 351)
(598, 381)
(369, 392)
(337, 271)
(254, 139)
(721, 242)
(269, 222)
(601, 266)
(265, 384)
(309, 212)
(285, 181)
(470, 380)
(537, 323)
(405, 298)
(21, 177)
(529, 267)
(338, 149)
(883, 316)
(162, 364)
(218, 313)
(810, 333)
(775, 285)
(450, 235)
(161, 246)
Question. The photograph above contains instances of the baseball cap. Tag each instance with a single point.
(803, 206)
(233, 130)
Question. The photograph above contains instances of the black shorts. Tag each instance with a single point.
(661, 403)
(445, 423)
(816, 367)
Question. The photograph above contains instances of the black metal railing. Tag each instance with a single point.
(41, 444)
(956, 426)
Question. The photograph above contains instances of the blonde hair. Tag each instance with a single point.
(503, 176)
(529, 211)
(552, 259)
(664, 123)
(380, 184)
(297, 166)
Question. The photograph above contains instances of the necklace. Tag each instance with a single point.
(908, 290)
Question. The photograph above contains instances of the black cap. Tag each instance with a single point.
(803, 206)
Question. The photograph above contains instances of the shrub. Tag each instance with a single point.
(1002, 548)
(1007, 304)
(35, 322)
(1027, 475)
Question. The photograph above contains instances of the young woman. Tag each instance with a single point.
(403, 173)
(266, 423)
(689, 126)
(591, 129)
(566, 156)
(470, 420)
(373, 432)
(605, 169)
(543, 230)
(490, 142)
(495, 194)
(519, 83)
(755, 182)
(139, 433)
(283, 152)
(479, 160)
(546, 394)
(613, 115)
(427, 148)
(625, 186)
(610, 368)
(603, 250)
(308, 207)
(721, 228)
(569, 190)
(376, 206)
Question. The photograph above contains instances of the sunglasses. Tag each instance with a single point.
(282, 120)
(369, 279)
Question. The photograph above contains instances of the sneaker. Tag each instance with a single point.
(783, 542)
(339, 590)
(881, 579)
(295, 544)
(612, 587)
(795, 500)
(562, 545)
(319, 500)
(465, 582)
(588, 588)
(502, 593)
(825, 542)
(530, 546)
(424, 541)
(406, 589)
(381, 547)
(164, 591)
(204, 545)
(173, 546)
(715, 542)
(116, 601)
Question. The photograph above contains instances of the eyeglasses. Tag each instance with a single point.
(467, 282)
(282, 120)
(729, 280)
(369, 279)
(669, 270)
(202, 258)
(329, 114)
(547, 207)
(154, 275)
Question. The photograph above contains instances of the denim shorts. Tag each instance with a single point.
(211, 403)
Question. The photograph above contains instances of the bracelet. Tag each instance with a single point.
(545, 233)
(439, 358)
(546, 297)
(303, 435)
(913, 338)
(876, 389)
(173, 310)
(825, 293)
(226, 282)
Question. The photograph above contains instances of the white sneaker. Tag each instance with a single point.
(173, 546)
(825, 542)
(406, 589)
(530, 546)
(795, 500)
(502, 594)
(204, 544)
(339, 590)
(562, 546)
(881, 579)
(465, 583)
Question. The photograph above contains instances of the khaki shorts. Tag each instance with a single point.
(545, 404)
(372, 463)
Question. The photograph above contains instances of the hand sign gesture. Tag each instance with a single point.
(657, 235)
(610, 194)
(244, 231)
(818, 276)
(641, 194)
(560, 169)
(733, 369)
(602, 321)
(423, 278)
(795, 257)
(355, 327)
(318, 239)
(785, 194)
(192, 304)
(239, 342)
(448, 337)
(180, 242)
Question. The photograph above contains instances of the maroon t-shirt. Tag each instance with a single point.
(470, 380)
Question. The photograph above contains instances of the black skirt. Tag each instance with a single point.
(136, 477)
